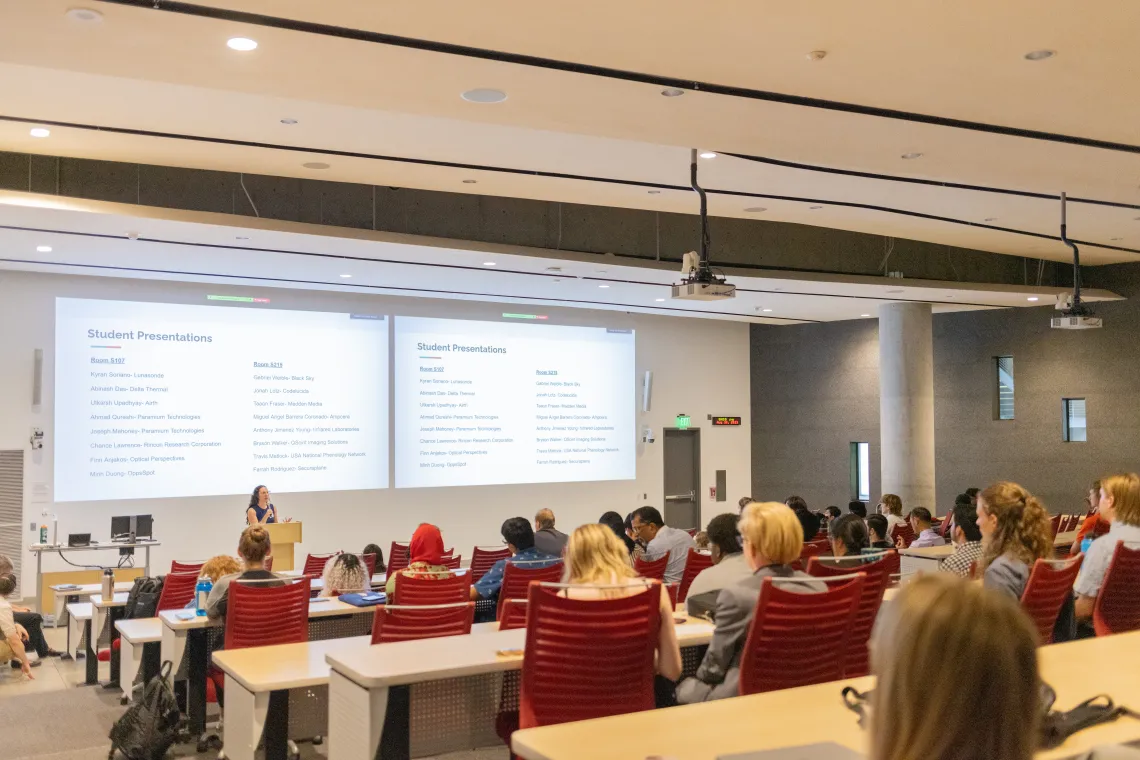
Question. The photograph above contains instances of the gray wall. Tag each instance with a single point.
(815, 389)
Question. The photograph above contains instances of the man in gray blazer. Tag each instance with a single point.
(773, 538)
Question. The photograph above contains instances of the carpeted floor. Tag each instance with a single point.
(71, 724)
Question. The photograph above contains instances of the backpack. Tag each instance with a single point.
(142, 599)
(150, 725)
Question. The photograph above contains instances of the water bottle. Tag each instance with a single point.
(1085, 544)
(43, 534)
(108, 587)
(202, 593)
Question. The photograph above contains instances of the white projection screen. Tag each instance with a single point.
(169, 400)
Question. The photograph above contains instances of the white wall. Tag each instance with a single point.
(700, 367)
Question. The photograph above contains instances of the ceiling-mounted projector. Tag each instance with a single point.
(1074, 315)
(698, 281)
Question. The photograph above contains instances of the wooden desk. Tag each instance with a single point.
(139, 640)
(45, 580)
(1076, 670)
(928, 554)
(60, 594)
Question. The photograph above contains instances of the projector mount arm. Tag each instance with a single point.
(1075, 309)
(704, 271)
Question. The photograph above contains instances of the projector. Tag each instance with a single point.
(1076, 323)
(700, 284)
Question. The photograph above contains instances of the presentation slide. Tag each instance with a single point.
(162, 400)
(481, 403)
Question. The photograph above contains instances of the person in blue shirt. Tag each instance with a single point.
(519, 537)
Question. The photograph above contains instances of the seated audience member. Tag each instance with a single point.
(857, 508)
(973, 494)
(631, 534)
(425, 559)
(253, 547)
(595, 557)
(832, 513)
(1093, 525)
(12, 636)
(660, 540)
(809, 522)
(890, 507)
(614, 522)
(981, 706)
(877, 530)
(967, 540)
(520, 540)
(547, 539)
(744, 502)
(923, 526)
(729, 566)
(345, 574)
(1120, 505)
(30, 624)
(773, 540)
(380, 567)
(1015, 534)
(848, 536)
(701, 541)
(214, 568)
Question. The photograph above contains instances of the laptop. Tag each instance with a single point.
(78, 539)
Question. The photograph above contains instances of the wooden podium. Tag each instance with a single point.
(283, 536)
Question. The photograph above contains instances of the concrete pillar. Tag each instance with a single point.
(906, 403)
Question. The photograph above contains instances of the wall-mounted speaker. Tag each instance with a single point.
(646, 390)
(38, 377)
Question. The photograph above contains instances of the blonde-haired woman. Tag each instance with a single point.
(984, 708)
(1119, 505)
(890, 507)
(595, 556)
(773, 539)
(345, 574)
(1015, 534)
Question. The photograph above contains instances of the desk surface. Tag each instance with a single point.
(317, 609)
(92, 547)
(284, 666)
(118, 600)
(942, 552)
(86, 589)
(80, 610)
(140, 630)
(1076, 670)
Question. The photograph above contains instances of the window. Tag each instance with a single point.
(861, 471)
(1074, 426)
(1003, 398)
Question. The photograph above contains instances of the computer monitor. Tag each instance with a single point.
(122, 526)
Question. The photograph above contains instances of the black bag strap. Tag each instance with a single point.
(1059, 725)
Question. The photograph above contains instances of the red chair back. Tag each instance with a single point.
(905, 531)
(654, 569)
(694, 564)
(370, 563)
(798, 639)
(564, 679)
(315, 564)
(1055, 524)
(858, 662)
(400, 623)
(177, 591)
(1048, 587)
(692, 532)
(397, 557)
(451, 563)
(259, 615)
(410, 591)
(894, 566)
(516, 582)
(483, 559)
(186, 567)
(1117, 607)
(944, 528)
(448, 554)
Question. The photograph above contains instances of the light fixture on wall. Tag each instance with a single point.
(241, 44)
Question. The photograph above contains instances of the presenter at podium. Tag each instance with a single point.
(261, 511)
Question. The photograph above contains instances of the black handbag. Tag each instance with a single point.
(149, 726)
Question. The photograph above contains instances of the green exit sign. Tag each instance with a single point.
(683, 421)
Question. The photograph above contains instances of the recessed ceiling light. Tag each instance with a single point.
(658, 300)
(554, 269)
(603, 286)
(864, 315)
(817, 55)
(39, 132)
(814, 208)
(489, 263)
(1114, 239)
(708, 154)
(43, 248)
(991, 219)
(896, 290)
(289, 122)
(484, 95)
(470, 181)
(241, 44)
(1039, 55)
(347, 276)
(765, 310)
(909, 156)
(315, 165)
(672, 92)
(755, 209)
(86, 15)
(242, 237)
(655, 192)
(1031, 298)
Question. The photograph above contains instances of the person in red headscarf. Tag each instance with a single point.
(425, 559)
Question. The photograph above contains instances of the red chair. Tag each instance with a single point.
(905, 531)
(810, 549)
(516, 580)
(370, 563)
(799, 639)
(186, 567)
(483, 559)
(894, 566)
(1117, 607)
(1055, 524)
(654, 569)
(397, 557)
(564, 679)
(177, 591)
(448, 554)
(944, 528)
(315, 564)
(1049, 585)
(858, 662)
(694, 564)
(411, 591)
(401, 623)
(452, 563)
(692, 532)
